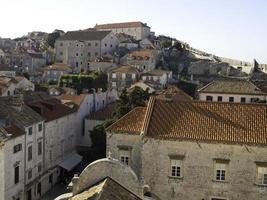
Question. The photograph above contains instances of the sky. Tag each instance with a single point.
(228, 28)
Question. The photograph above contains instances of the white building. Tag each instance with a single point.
(239, 91)
(60, 140)
(162, 77)
(86, 104)
(77, 48)
(21, 151)
(138, 30)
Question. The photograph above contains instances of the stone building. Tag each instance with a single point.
(122, 77)
(77, 48)
(55, 71)
(21, 150)
(162, 77)
(231, 90)
(60, 141)
(144, 60)
(138, 30)
(195, 150)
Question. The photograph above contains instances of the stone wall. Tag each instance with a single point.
(197, 181)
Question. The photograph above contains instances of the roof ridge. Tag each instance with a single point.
(149, 110)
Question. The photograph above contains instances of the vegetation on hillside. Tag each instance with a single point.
(81, 82)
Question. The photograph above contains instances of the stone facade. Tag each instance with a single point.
(77, 53)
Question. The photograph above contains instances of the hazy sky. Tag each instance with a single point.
(229, 28)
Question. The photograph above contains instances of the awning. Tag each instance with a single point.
(70, 161)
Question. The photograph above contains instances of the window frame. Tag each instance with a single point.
(231, 99)
(209, 98)
(223, 171)
(29, 153)
(179, 164)
(16, 174)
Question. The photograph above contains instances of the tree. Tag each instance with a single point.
(128, 101)
(51, 39)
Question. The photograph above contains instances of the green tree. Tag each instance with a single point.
(51, 39)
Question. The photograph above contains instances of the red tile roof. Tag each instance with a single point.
(51, 109)
(121, 25)
(132, 122)
(197, 121)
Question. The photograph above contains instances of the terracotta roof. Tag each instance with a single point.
(125, 69)
(76, 99)
(58, 67)
(107, 189)
(132, 122)
(84, 35)
(156, 72)
(14, 130)
(51, 109)
(207, 121)
(143, 53)
(103, 114)
(197, 121)
(121, 25)
(174, 93)
(232, 87)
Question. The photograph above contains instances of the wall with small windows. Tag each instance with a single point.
(77, 54)
(237, 98)
(198, 170)
(12, 168)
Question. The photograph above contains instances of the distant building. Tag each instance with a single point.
(55, 71)
(162, 77)
(138, 30)
(77, 48)
(144, 60)
(232, 90)
(122, 77)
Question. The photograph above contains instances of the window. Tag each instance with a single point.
(106, 45)
(209, 98)
(30, 131)
(231, 99)
(123, 75)
(51, 178)
(243, 99)
(40, 167)
(17, 148)
(125, 157)
(77, 54)
(39, 148)
(16, 174)
(81, 54)
(133, 76)
(113, 75)
(89, 54)
(40, 127)
(219, 98)
(39, 188)
(176, 167)
(96, 44)
(29, 174)
(89, 44)
(61, 53)
(111, 45)
(114, 84)
(262, 174)
(254, 100)
(221, 169)
(77, 64)
(29, 153)
(61, 44)
(96, 54)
